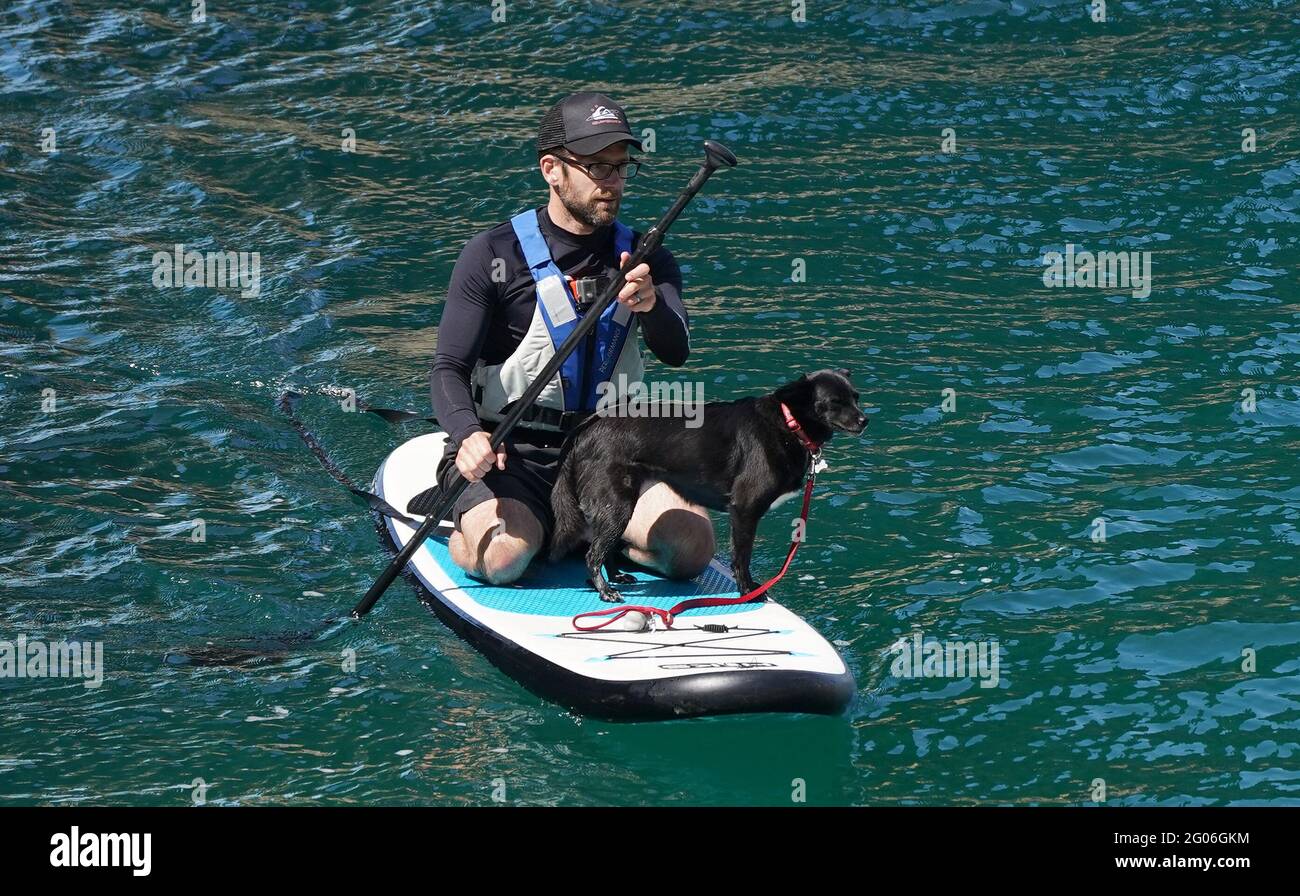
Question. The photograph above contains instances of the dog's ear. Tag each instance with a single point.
(796, 390)
(843, 371)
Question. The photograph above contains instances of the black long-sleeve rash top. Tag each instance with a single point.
(487, 318)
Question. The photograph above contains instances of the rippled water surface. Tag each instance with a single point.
(1164, 659)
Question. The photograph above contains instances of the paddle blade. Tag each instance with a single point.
(379, 505)
(391, 415)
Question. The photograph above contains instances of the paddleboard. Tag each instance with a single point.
(755, 657)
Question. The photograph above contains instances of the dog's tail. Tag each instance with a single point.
(570, 524)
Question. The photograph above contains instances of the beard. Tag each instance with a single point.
(591, 212)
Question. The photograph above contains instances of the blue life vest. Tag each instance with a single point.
(616, 362)
(560, 312)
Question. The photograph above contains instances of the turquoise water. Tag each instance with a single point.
(922, 270)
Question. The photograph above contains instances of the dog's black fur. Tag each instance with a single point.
(741, 458)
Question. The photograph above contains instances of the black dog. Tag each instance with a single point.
(741, 458)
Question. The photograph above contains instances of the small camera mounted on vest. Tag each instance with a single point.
(587, 290)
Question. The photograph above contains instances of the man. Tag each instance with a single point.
(516, 291)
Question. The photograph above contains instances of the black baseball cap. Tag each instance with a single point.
(584, 124)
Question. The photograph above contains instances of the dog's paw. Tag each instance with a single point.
(622, 578)
(607, 594)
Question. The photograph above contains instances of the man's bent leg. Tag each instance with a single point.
(497, 540)
(669, 534)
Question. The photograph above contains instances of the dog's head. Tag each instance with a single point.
(825, 399)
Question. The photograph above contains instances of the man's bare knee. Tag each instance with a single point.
(684, 543)
(506, 559)
(498, 540)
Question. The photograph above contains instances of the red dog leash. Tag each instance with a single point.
(617, 613)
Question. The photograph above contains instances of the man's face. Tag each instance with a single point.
(593, 202)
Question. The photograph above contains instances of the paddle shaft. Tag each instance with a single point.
(716, 155)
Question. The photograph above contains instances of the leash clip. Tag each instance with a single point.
(815, 463)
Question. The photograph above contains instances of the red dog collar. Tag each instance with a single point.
(795, 428)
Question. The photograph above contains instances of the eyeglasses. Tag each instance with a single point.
(602, 170)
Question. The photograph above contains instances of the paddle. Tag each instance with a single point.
(715, 156)
(393, 415)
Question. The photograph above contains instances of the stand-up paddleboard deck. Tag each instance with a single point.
(767, 660)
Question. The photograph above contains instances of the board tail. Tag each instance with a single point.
(570, 524)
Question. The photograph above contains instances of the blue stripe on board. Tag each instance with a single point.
(560, 589)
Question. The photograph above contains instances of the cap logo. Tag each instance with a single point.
(602, 114)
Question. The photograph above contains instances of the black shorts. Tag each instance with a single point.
(529, 477)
